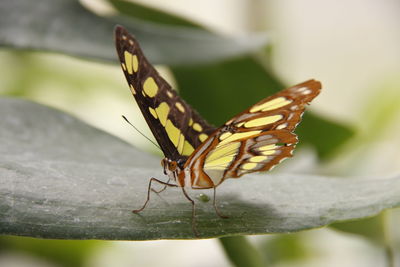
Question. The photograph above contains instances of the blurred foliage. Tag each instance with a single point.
(284, 248)
(327, 136)
(150, 14)
(384, 111)
(375, 230)
(221, 90)
(371, 228)
(241, 253)
(65, 253)
(76, 31)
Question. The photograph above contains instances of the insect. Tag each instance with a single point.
(198, 155)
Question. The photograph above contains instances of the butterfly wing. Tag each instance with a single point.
(255, 140)
(177, 127)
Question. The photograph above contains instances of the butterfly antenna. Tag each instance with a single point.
(134, 127)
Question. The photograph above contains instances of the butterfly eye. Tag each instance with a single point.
(172, 166)
(180, 163)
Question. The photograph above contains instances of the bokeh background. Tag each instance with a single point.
(352, 47)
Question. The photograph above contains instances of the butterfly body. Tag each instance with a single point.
(197, 154)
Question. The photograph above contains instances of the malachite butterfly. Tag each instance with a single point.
(197, 154)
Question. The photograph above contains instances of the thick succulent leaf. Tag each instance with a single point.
(61, 178)
(66, 26)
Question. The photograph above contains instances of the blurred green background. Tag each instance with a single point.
(352, 49)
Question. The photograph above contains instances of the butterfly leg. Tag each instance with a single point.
(162, 189)
(150, 189)
(194, 228)
(216, 207)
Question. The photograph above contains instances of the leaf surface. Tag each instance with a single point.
(66, 26)
(61, 178)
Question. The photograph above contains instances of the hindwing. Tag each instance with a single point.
(178, 129)
(255, 140)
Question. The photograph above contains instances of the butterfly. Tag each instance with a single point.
(197, 154)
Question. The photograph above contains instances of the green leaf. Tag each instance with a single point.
(65, 26)
(241, 253)
(61, 178)
(371, 228)
(285, 248)
(325, 135)
(223, 89)
(65, 253)
(150, 14)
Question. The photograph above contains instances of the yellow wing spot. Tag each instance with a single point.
(249, 166)
(267, 147)
(170, 95)
(272, 104)
(123, 66)
(190, 122)
(135, 63)
(219, 163)
(229, 149)
(187, 149)
(240, 124)
(128, 61)
(181, 143)
(269, 152)
(153, 112)
(162, 111)
(238, 136)
(130, 41)
(173, 132)
(263, 121)
(123, 37)
(150, 87)
(132, 89)
(203, 137)
(197, 127)
(225, 135)
(258, 158)
(180, 107)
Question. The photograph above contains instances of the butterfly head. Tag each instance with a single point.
(169, 165)
(172, 167)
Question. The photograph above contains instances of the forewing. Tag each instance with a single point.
(177, 128)
(255, 140)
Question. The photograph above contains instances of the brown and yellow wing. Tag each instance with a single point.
(178, 129)
(255, 140)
